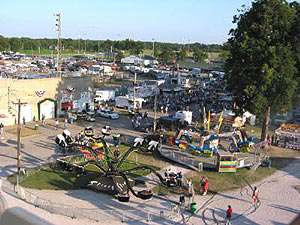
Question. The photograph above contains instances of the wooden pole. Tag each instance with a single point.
(19, 136)
(155, 110)
(19, 103)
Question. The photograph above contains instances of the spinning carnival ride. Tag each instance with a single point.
(112, 178)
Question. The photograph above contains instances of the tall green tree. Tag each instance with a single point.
(260, 70)
(295, 40)
(199, 55)
(182, 54)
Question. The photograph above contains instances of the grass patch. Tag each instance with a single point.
(219, 182)
(52, 179)
(56, 179)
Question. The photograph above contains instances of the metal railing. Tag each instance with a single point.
(93, 214)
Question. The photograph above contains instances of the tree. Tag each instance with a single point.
(199, 55)
(4, 44)
(182, 54)
(167, 55)
(295, 40)
(260, 70)
(119, 56)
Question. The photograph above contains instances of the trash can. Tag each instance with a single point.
(193, 207)
(36, 126)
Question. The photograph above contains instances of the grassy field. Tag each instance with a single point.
(55, 179)
(49, 52)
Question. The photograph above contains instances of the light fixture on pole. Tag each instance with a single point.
(58, 47)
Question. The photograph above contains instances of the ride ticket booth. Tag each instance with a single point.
(227, 163)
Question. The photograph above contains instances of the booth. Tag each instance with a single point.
(288, 136)
(227, 163)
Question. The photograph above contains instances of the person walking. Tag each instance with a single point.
(255, 197)
(1, 130)
(181, 200)
(228, 215)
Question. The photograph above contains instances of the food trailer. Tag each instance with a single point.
(288, 136)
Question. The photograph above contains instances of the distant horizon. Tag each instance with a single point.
(150, 41)
(168, 21)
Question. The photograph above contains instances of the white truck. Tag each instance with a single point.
(184, 116)
(127, 103)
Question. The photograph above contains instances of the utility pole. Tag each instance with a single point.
(19, 103)
(58, 31)
(155, 111)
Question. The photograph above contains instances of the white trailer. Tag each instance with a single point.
(104, 95)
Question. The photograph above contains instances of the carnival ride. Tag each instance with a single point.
(208, 142)
(112, 178)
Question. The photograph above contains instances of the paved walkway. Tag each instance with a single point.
(279, 197)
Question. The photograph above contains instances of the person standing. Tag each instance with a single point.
(43, 120)
(228, 215)
(191, 192)
(205, 186)
(56, 124)
(65, 123)
(179, 179)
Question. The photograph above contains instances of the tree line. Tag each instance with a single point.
(167, 51)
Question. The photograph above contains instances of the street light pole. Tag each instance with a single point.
(58, 30)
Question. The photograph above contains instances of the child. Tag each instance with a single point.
(228, 215)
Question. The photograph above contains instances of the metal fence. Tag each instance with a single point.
(94, 214)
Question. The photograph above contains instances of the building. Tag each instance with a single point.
(40, 96)
(75, 93)
(47, 97)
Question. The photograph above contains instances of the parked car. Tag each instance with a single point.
(108, 114)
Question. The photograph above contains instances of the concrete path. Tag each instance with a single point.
(279, 197)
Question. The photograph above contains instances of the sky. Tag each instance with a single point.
(181, 21)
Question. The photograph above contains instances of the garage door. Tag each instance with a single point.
(26, 112)
(47, 109)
